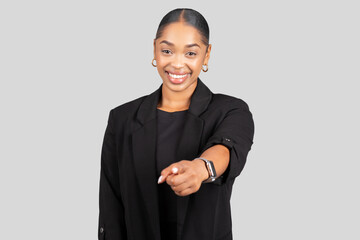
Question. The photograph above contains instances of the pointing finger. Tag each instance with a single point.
(164, 173)
(174, 168)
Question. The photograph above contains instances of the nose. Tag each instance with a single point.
(178, 61)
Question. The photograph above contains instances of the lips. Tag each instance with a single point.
(177, 77)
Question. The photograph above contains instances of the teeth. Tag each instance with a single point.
(177, 76)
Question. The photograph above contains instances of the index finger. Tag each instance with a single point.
(174, 168)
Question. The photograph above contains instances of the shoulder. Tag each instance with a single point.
(127, 109)
(128, 106)
(220, 100)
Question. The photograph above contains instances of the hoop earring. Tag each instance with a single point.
(152, 62)
(207, 68)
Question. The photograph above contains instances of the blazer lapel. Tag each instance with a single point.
(144, 146)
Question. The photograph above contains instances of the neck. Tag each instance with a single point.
(176, 101)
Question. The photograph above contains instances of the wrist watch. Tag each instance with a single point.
(211, 170)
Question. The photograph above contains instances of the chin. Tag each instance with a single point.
(175, 87)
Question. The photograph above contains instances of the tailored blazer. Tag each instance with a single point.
(128, 198)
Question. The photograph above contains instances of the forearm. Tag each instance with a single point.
(219, 155)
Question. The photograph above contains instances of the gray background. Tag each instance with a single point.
(65, 64)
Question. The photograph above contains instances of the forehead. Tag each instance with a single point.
(181, 33)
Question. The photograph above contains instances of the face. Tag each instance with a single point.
(179, 55)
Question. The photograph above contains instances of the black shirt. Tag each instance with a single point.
(169, 127)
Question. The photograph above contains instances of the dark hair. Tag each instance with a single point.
(188, 16)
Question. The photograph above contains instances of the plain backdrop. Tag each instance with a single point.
(65, 64)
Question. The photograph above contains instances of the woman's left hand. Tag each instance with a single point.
(185, 177)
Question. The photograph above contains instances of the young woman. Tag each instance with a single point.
(169, 159)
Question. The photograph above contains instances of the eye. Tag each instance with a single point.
(191, 54)
(166, 51)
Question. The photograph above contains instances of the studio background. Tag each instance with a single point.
(65, 64)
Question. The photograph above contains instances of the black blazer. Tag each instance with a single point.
(128, 200)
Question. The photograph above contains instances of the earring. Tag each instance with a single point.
(207, 68)
(152, 62)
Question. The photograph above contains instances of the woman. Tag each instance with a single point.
(169, 159)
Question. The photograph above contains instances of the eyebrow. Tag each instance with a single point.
(188, 45)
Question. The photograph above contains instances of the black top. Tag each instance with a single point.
(169, 127)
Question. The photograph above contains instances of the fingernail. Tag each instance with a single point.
(160, 178)
(174, 170)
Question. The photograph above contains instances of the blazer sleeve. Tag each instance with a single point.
(236, 132)
(111, 223)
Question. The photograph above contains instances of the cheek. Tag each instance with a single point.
(160, 62)
(196, 65)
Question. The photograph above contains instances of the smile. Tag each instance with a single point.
(177, 78)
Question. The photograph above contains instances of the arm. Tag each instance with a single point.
(219, 155)
(111, 210)
(236, 133)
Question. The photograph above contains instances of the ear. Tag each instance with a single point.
(207, 56)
